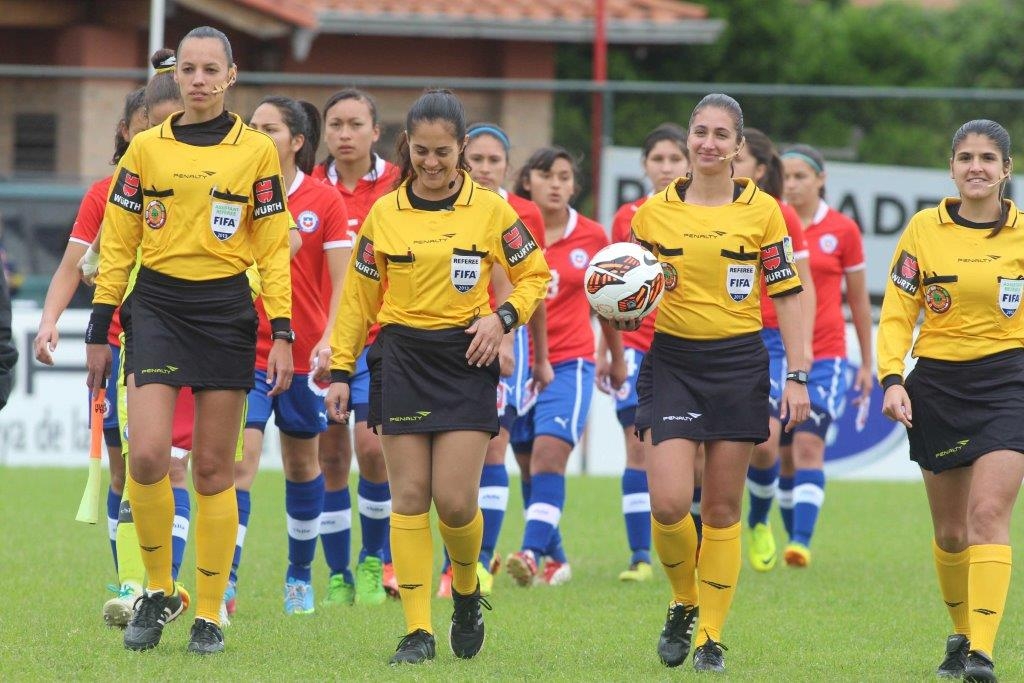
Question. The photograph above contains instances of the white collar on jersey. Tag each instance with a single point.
(378, 170)
(570, 225)
(820, 212)
(299, 175)
(503, 192)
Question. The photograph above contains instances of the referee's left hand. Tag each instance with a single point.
(280, 367)
(487, 333)
(795, 404)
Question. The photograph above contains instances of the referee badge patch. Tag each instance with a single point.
(906, 273)
(126, 192)
(465, 270)
(156, 214)
(937, 298)
(1009, 295)
(225, 219)
(739, 280)
(517, 243)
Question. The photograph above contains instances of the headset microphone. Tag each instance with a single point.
(1005, 175)
(730, 157)
(218, 89)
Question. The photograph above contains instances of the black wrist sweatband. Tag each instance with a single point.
(99, 323)
(340, 376)
(891, 381)
(509, 316)
(281, 325)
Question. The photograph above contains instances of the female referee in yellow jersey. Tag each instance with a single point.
(962, 263)
(420, 268)
(705, 379)
(201, 196)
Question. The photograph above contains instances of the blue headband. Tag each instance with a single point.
(495, 132)
(803, 157)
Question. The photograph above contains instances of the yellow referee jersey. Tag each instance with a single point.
(968, 285)
(713, 257)
(430, 269)
(197, 213)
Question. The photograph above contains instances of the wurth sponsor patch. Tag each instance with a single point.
(517, 243)
(906, 273)
(364, 261)
(777, 261)
(268, 198)
(127, 192)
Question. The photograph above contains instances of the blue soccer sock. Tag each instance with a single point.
(336, 532)
(636, 508)
(555, 549)
(113, 509)
(374, 517)
(526, 488)
(544, 512)
(303, 504)
(808, 497)
(179, 533)
(493, 503)
(785, 498)
(695, 513)
(761, 485)
(244, 506)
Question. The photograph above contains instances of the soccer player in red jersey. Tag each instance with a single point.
(522, 374)
(322, 221)
(664, 159)
(554, 425)
(351, 127)
(837, 260)
(759, 161)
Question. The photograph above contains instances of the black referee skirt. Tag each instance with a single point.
(420, 382)
(715, 390)
(190, 333)
(963, 410)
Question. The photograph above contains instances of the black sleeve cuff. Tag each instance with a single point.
(788, 292)
(340, 376)
(891, 381)
(99, 323)
(281, 325)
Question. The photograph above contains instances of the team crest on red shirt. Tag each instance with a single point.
(308, 221)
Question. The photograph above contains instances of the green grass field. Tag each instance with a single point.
(867, 609)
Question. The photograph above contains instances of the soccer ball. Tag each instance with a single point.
(624, 281)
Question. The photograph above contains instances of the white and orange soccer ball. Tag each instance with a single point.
(624, 281)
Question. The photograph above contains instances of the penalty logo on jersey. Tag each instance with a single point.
(739, 281)
(308, 221)
(1009, 295)
(465, 270)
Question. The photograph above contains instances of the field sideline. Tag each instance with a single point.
(868, 608)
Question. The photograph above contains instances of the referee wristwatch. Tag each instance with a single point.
(508, 316)
(798, 376)
(284, 335)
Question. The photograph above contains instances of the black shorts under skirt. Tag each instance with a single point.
(963, 410)
(420, 382)
(715, 390)
(190, 333)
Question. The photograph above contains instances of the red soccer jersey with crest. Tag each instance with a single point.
(836, 248)
(85, 229)
(322, 219)
(622, 231)
(568, 310)
(796, 234)
(371, 187)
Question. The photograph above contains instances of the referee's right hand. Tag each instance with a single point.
(896, 405)
(98, 361)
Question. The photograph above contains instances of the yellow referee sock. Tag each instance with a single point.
(412, 550)
(718, 570)
(988, 581)
(676, 545)
(153, 512)
(463, 544)
(952, 569)
(216, 532)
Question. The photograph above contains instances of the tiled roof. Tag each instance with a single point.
(654, 11)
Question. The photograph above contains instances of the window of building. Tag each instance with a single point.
(35, 143)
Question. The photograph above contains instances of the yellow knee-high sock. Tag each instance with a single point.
(718, 570)
(463, 544)
(952, 569)
(130, 569)
(676, 545)
(153, 512)
(412, 550)
(216, 530)
(988, 581)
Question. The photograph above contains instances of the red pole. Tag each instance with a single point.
(600, 77)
